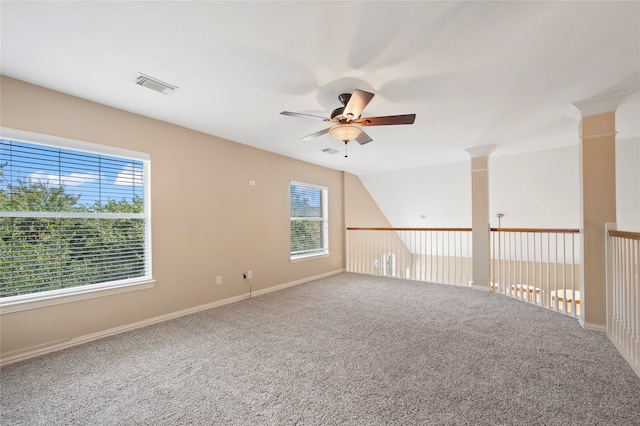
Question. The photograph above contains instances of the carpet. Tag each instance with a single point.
(343, 350)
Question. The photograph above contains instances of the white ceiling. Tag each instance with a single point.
(475, 73)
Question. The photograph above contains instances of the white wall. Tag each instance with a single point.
(628, 184)
(538, 189)
(441, 192)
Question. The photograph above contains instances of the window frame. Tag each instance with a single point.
(71, 294)
(324, 203)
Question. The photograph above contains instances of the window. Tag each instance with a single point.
(309, 224)
(71, 220)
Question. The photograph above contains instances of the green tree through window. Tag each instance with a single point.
(61, 225)
(308, 207)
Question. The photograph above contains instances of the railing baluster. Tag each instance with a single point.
(469, 257)
(563, 276)
(525, 255)
(574, 293)
(455, 260)
(501, 265)
(636, 287)
(522, 265)
(616, 283)
(623, 286)
(449, 258)
(626, 293)
(533, 273)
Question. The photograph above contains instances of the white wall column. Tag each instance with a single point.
(597, 201)
(480, 228)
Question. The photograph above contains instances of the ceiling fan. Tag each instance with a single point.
(348, 119)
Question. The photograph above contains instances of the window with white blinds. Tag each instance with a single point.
(309, 224)
(71, 218)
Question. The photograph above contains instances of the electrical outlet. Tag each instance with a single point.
(244, 275)
(219, 279)
(250, 274)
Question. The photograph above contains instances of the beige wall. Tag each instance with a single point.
(598, 207)
(360, 208)
(362, 211)
(206, 219)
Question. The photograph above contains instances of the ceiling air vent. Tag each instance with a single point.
(329, 151)
(154, 84)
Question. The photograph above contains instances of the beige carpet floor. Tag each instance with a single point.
(345, 350)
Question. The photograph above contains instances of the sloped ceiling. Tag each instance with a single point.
(475, 73)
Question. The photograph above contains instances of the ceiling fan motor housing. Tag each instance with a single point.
(349, 121)
(344, 98)
(338, 113)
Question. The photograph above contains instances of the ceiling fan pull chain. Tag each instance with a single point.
(345, 150)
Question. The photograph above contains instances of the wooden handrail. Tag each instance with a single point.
(545, 230)
(408, 229)
(624, 234)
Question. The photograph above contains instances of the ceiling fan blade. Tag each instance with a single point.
(299, 114)
(387, 120)
(363, 138)
(316, 134)
(359, 99)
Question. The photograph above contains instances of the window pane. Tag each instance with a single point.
(69, 218)
(306, 202)
(306, 236)
(308, 219)
(40, 178)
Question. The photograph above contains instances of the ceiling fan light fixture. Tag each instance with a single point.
(345, 132)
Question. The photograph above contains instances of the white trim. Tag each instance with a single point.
(480, 151)
(73, 215)
(600, 105)
(592, 326)
(308, 256)
(60, 142)
(603, 135)
(71, 294)
(296, 282)
(308, 185)
(324, 197)
(57, 345)
(481, 288)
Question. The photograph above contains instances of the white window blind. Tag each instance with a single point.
(70, 218)
(309, 225)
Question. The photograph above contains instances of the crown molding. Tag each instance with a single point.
(480, 151)
(602, 104)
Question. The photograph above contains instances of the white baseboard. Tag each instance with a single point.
(591, 326)
(57, 345)
(292, 283)
(481, 288)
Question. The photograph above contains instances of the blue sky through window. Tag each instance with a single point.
(305, 201)
(94, 177)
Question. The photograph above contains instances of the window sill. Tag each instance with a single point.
(40, 300)
(310, 256)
